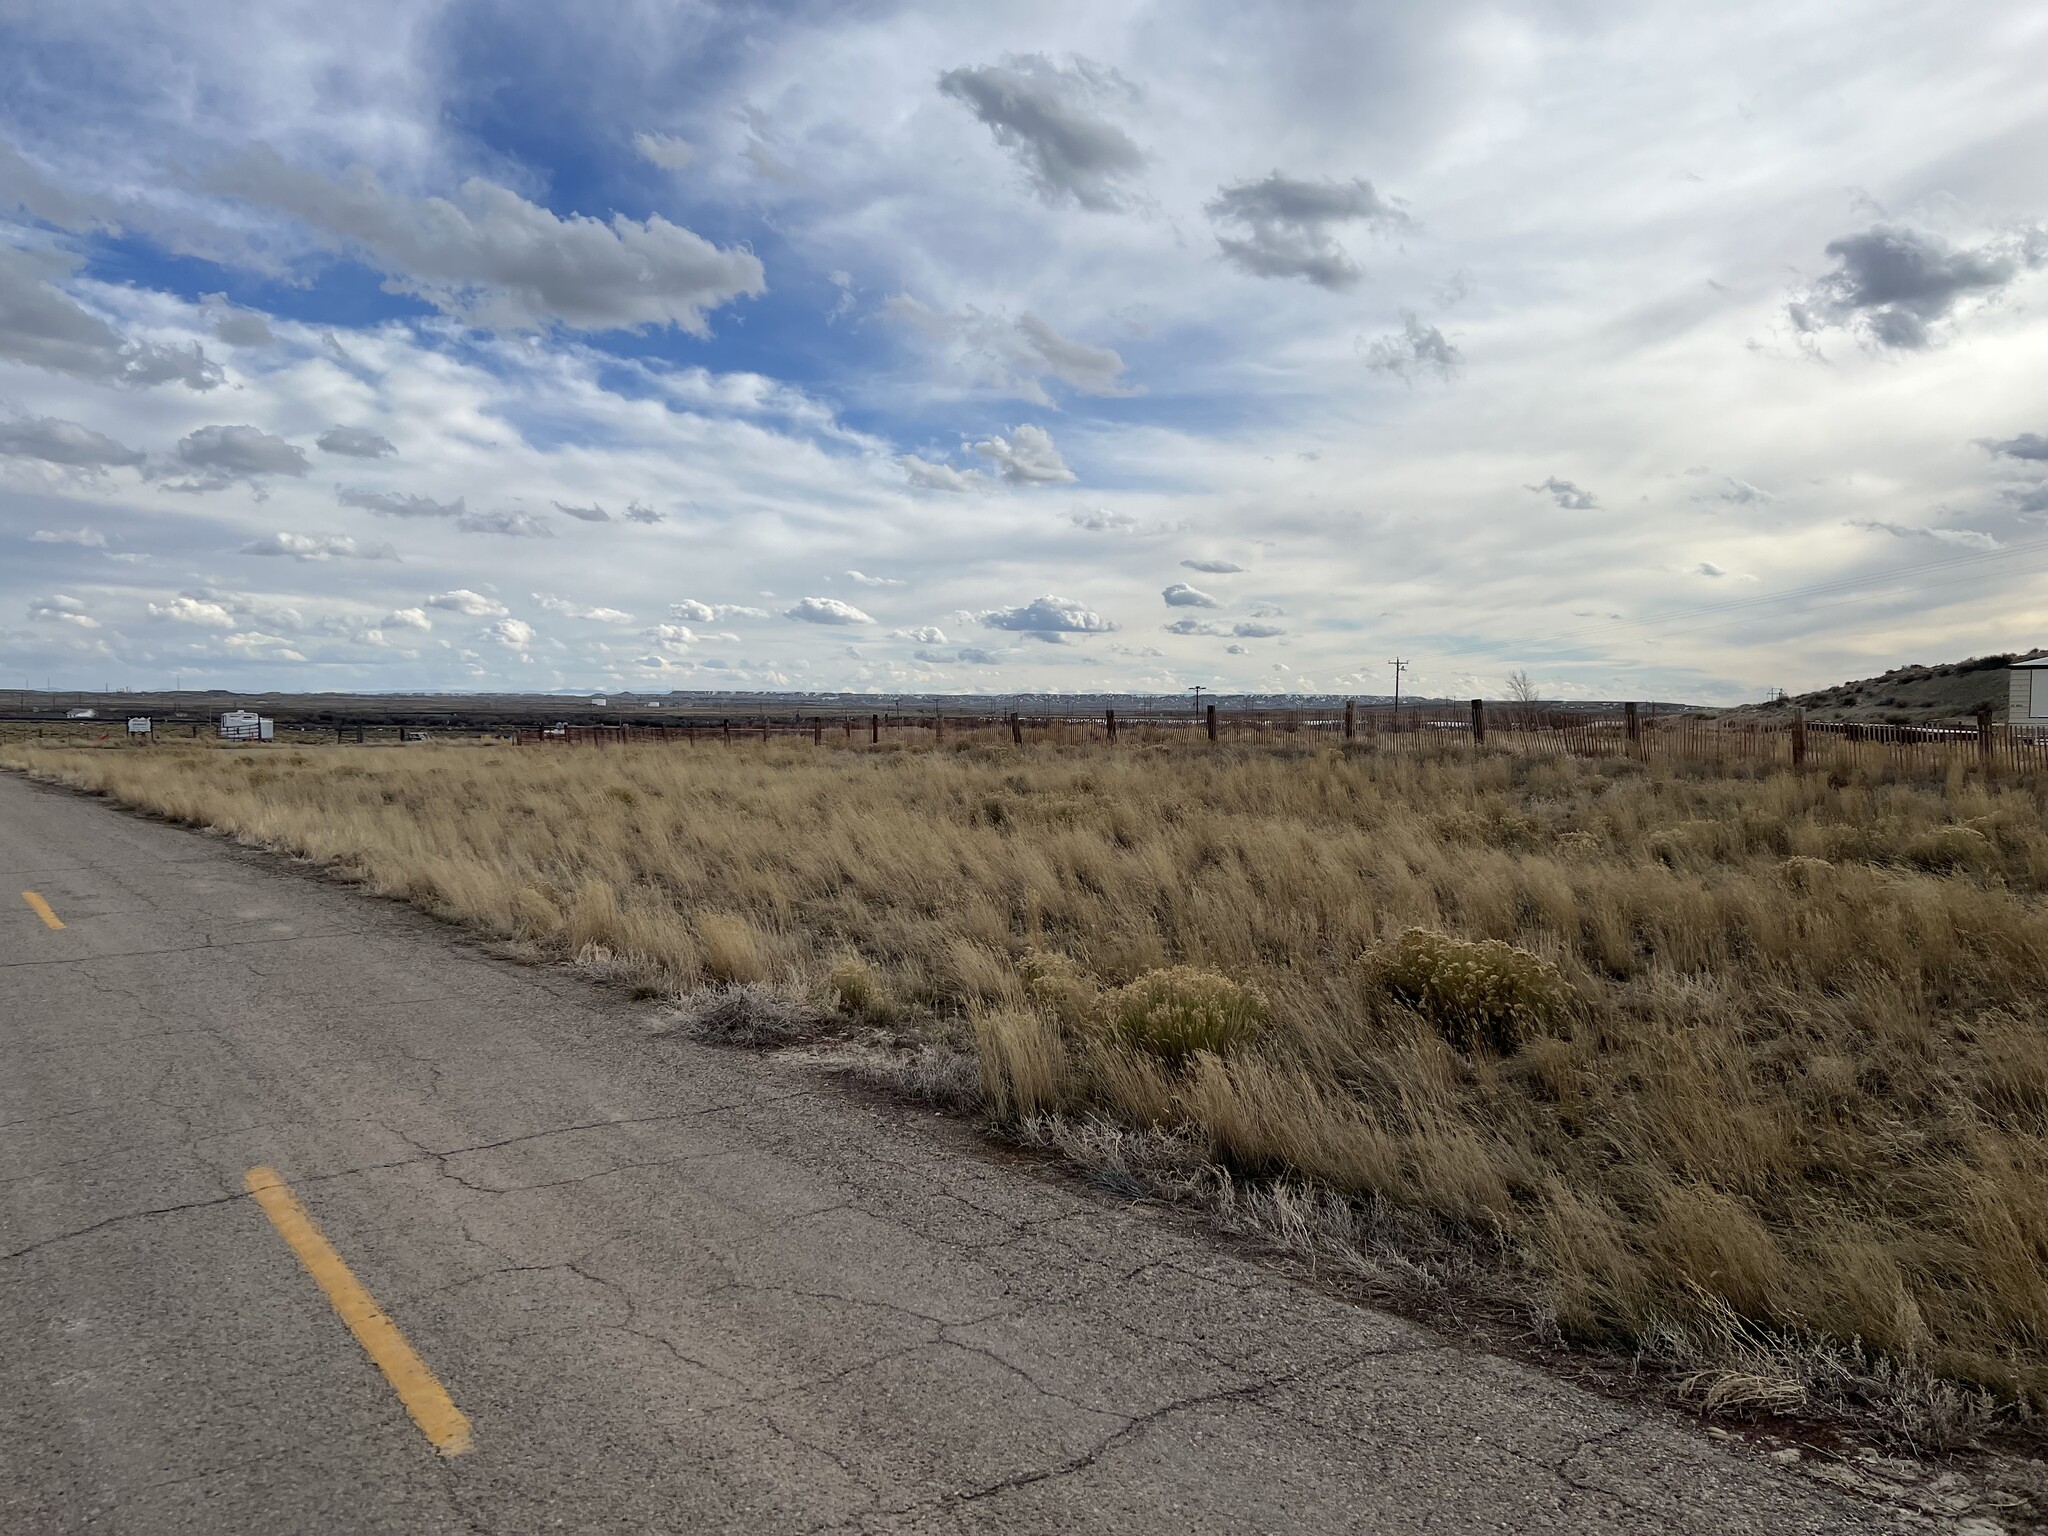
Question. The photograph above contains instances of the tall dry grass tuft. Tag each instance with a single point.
(1023, 1063)
(1709, 1066)
(731, 947)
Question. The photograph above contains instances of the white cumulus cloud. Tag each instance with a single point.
(193, 610)
(928, 476)
(826, 610)
(472, 605)
(551, 604)
(513, 634)
(1026, 457)
(1049, 616)
(61, 608)
(305, 546)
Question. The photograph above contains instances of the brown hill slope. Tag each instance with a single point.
(1908, 695)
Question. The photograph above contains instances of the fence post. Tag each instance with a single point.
(938, 729)
(817, 730)
(874, 729)
(1479, 722)
(764, 727)
(1633, 722)
(1212, 721)
(1799, 738)
(1350, 719)
(1109, 723)
(1984, 734)
(1016, 729)
(725, 728)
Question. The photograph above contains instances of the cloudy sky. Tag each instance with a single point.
(1660, 350)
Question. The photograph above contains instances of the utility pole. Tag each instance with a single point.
(1400, 665)
(1196, 689)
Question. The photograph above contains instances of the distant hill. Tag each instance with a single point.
(1907, 695)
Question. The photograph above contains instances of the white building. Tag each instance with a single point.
(2027, 698)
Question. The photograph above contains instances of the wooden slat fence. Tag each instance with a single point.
(1488, 729)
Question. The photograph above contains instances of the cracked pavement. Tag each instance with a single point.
(675, 1288)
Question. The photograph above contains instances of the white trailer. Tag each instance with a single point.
(246, 725)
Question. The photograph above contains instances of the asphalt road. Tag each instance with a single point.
(669, 1288)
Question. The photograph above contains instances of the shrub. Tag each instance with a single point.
(1805, 873)
(1474, 993)
(1577, 845)
(747, 1014)
(1690, 842)
(1494, 826)
(858, 990)
(1057, 984)
(1180, 1010)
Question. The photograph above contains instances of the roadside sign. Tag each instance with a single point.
(138, 725)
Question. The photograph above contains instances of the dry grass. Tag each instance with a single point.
(1735, 1072)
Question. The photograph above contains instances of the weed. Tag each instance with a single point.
(1176, 1012)
(858, 990)
(1476, 993)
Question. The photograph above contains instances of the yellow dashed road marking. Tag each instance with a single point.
(423, 1395)
(41, 908)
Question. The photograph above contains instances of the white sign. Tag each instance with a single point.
(138, 725)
